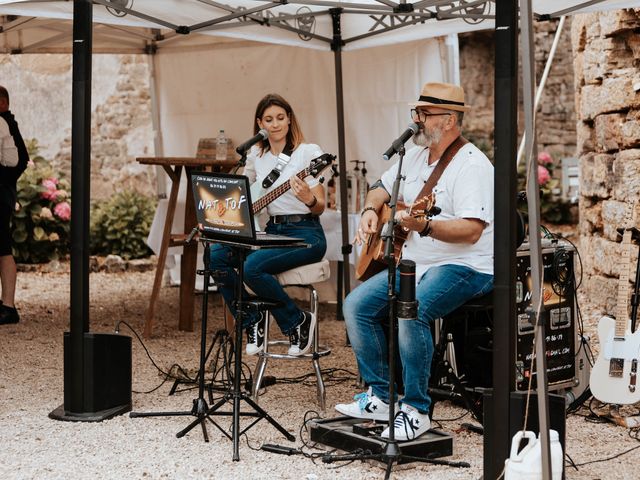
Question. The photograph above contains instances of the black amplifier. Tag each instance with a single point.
(558, 314)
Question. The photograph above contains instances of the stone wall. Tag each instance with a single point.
(40, 90)
(607, 85)
(556, 112)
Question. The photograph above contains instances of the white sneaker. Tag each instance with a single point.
(366, 405)
(409, 424)
(255, 338)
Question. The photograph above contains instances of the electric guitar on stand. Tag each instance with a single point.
(614, 378)
(371, 260)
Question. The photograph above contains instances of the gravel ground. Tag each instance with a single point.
(31, 386)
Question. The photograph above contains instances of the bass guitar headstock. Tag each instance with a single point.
(320, 164)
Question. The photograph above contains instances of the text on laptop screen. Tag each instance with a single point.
(223, 204)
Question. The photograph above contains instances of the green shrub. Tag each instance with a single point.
(41, 223)
(120, 226)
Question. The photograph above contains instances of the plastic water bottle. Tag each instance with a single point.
(527, 464)
(221, 146)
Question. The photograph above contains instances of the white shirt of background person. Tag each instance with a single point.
(8, 150)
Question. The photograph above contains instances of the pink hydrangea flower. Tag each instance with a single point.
(544, 158)
(51, 185)
(543, 175)
(63, 211)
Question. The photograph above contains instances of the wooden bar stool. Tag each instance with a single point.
(303, 277)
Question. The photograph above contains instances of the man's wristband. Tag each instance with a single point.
(426, 231)
(313, 202)
(366, 209)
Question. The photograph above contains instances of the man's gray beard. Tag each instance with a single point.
(426, 139)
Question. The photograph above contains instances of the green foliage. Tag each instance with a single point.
(41, 223)
(553, 208)
(121, 225)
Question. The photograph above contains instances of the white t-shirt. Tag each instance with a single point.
(465, 190)
(8, 149)
(258, 167)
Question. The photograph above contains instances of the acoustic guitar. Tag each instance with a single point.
(614, 378)
(371, 259)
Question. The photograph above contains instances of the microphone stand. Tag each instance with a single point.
(241, 163)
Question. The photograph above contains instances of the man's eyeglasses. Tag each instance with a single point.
(422, 115)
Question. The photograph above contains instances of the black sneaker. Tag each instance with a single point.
(255, 338)
(302, 337)
(8, 315)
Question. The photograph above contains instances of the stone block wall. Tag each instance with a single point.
(40, 90)
(607, 98)
(556, 117)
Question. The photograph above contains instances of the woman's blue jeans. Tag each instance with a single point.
(261, 266)
(440, 291)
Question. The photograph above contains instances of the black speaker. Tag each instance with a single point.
(106, 373)
(517, 406)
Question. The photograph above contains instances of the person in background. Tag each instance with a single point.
(295, 213)
(13, 161)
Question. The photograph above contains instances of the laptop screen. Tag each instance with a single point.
(223, 205)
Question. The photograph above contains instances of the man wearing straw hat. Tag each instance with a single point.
(453, 252)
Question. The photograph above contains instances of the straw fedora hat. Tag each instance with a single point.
(442, 95)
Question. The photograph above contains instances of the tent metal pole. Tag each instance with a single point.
(80, 186)
(336, 46)
(533, 201)
(497, 415)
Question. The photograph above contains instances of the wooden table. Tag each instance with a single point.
(174, 166)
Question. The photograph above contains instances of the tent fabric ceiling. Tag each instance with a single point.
(137, 26)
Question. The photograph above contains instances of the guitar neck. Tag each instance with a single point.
(622, 312)
(276, 192)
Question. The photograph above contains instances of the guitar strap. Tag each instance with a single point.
(445, 159)
(282, 161)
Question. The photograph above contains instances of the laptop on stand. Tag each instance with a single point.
(224, 210)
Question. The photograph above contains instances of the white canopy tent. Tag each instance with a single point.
(321, 25)
(141, 25)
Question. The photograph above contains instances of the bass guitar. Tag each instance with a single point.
(315, 168)
(614, 378)
(371, 259)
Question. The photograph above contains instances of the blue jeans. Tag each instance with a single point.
(260, 267)
(440, 291)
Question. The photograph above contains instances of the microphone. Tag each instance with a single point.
(244, 147)
(406, 303)
(399, 142)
